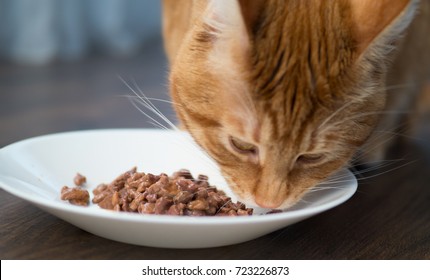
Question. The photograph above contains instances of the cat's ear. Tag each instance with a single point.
(252, 12)
(380, 21)
(234, 15)
(228, 56)
(224, 21)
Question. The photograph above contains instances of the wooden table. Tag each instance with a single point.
(388, 218)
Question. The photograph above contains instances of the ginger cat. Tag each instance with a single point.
(283, 93)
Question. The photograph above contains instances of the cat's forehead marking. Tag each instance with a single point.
(297, 66)
(299, 52)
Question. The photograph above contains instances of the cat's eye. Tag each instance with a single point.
(310, 158)
(242, 146)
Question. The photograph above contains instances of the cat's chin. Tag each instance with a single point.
(250, 202)
(288, 204)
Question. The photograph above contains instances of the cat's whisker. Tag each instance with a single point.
(327, 126)
(359, 179)
(398, 134)
(316, 189)
(158, 126)
(339, 179)
(332, 182)
(375, 142)
(359, 115)
(302, 200)
(140, 100)
(320, 187)
(400, 86)
(327, 120)
(382, 165)
(163, 100)
(154, 108)
(153, 99)
(135, 102)
(222, 206)
(375, 166)
(387, 171)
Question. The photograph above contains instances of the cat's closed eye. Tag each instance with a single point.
(310, 159)
(242, 147)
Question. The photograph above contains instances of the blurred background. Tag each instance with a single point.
(40, 31)
(62, 61)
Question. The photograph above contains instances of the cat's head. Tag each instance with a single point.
(282, 93)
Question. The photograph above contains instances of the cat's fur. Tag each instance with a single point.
(303, 81)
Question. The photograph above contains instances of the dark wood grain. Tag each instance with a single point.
(388, 218)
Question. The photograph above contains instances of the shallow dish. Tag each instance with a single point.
(35, 170)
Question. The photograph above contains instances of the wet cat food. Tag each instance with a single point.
(79, 179)
(76, 196)
(180, 194)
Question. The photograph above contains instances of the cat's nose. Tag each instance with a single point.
(268, 203)
(271, 196)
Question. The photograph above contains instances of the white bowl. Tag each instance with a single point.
(35, 170)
